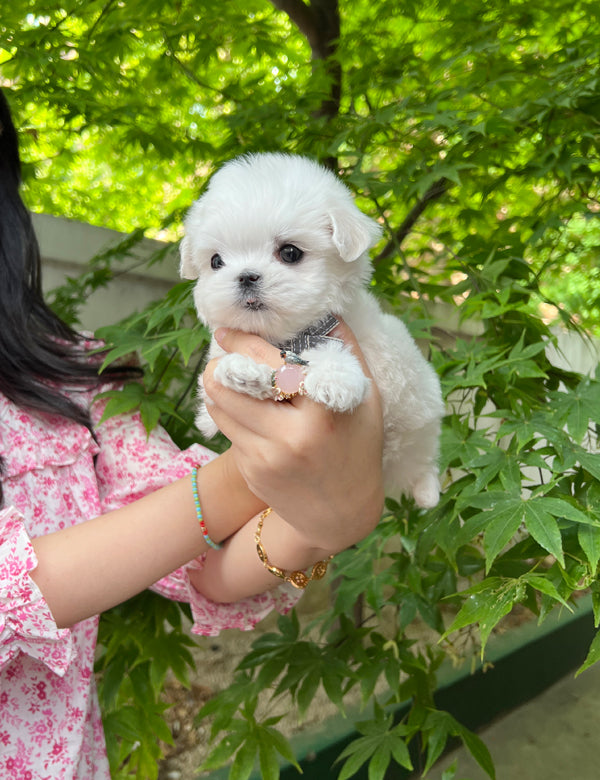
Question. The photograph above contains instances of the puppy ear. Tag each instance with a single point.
(353, 232)
(187, 267)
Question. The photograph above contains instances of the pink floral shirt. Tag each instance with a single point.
(58, 476)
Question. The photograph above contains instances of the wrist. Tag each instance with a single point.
(337, 528)
(284, 546)
(225, 499)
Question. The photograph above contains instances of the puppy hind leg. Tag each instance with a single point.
(423, 484)
(426, 490)
(410, 463)
(203, 421)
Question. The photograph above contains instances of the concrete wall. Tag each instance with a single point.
(67, 246)
(575, 353)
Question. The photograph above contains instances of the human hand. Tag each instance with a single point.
(319, 470)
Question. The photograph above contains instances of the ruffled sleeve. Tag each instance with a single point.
(132, 464)
(26, 623)
(211, 618)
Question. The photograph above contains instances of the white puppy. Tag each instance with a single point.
(278, 246)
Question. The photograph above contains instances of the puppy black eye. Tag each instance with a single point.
(216, 261)
(290, 253)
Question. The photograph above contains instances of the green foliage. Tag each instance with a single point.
(249, 740)
(471, 131)
(138, 643)
(170, 344)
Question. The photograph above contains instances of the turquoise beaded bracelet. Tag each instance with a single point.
(201, 522)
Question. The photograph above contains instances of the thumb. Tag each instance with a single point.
(343, 332)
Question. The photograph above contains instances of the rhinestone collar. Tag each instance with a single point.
(312, 336)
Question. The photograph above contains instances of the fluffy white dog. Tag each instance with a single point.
(279, 249)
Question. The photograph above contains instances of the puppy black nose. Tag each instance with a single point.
(248, 278)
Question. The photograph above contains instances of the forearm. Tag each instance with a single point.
(91, 567)
(236, 571)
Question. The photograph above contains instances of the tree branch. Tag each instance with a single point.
(170, 52)
(437, 189)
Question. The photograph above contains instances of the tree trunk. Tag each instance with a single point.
(319, 22)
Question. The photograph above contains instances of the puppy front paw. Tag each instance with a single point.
(242, 374)
(335, 379)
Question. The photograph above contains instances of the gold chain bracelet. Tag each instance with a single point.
(296, 578)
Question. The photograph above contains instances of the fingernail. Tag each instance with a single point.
(220, 334)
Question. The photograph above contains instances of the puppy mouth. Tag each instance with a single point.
(249, 290)
(253, 303)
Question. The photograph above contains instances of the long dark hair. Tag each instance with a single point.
(39, 353)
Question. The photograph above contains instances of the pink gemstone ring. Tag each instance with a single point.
(287, 381)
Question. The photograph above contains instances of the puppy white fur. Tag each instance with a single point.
(276, 243)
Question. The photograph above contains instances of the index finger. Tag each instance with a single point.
(248, 344)
(343, 332)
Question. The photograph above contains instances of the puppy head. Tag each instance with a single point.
(276, 242)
